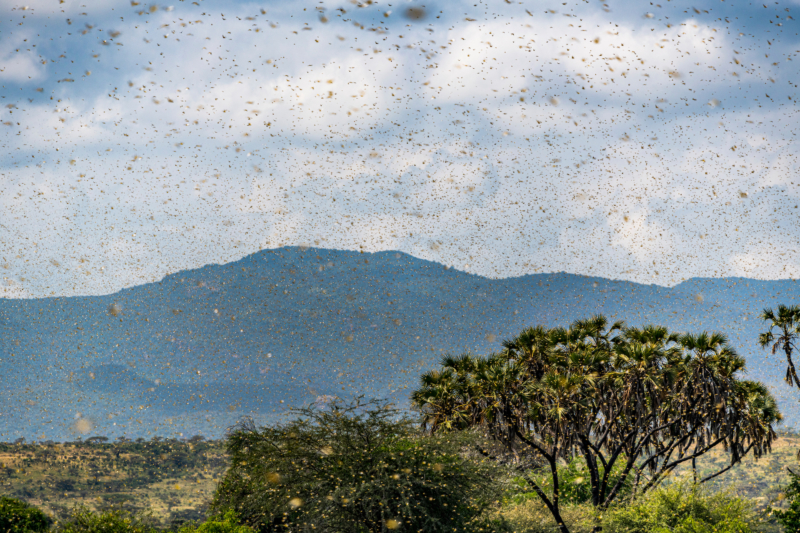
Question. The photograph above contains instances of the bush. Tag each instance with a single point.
(84, 520)
(354, 468)
(681, 507)
(17, 516)
(228, 523)
(790, 518)
(179, 518)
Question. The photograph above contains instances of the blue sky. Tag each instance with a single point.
(652, 142)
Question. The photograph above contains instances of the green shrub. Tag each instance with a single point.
(84, 520)
(354, 468)
(228, 523)
(682, 507)
(17, 516)
(790, 518)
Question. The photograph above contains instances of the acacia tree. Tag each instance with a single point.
(784, 330)
(354, 467)
(636, 402)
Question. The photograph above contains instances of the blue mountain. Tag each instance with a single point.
(199, 349)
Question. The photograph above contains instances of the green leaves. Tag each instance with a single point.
(17, 516)
(790, 517)
(227, 523)
(685, 509)
(353, 467)
(639, 402)
(84, 520)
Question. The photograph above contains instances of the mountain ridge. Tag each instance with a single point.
(295, 324)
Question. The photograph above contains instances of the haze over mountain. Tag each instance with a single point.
(197, 350)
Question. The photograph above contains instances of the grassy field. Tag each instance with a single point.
(175, 479)
(172, 479)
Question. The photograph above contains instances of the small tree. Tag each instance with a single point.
(352, 468)
(783, 333)
(784, 330)
(643, 398)
(84, 520)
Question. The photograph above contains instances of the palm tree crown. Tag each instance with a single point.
(643, 399)
(784, 330)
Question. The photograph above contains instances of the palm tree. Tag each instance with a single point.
(632, 402)
(710, 377)
(445, 394)
(787, 324)
(650, 335)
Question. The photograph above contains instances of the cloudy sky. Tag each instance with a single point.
(631, 140)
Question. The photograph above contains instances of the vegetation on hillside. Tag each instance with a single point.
(576, 429)
(762, 482)
(173, 478)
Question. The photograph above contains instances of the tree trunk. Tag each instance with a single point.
(552, 506)
(791, 373)
(694, 469)
(562, 527)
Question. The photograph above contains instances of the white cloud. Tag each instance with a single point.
(18, 61)
(434, 152)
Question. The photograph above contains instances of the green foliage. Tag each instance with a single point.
(574, 483)
(682, 507)
(790, 518)
(17, 516)
(124, 474)
(600, 390)
(84, 520)
(354, 468)
(227, 523)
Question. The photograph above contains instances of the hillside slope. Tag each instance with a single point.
(200, 348)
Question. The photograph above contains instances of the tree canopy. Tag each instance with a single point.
(353, 467)
(784, 330)
(645, 398)
(17, 516)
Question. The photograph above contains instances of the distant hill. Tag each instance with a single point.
(197, 350)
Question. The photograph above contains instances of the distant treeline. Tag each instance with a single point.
(215, 444)
(100, 439)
